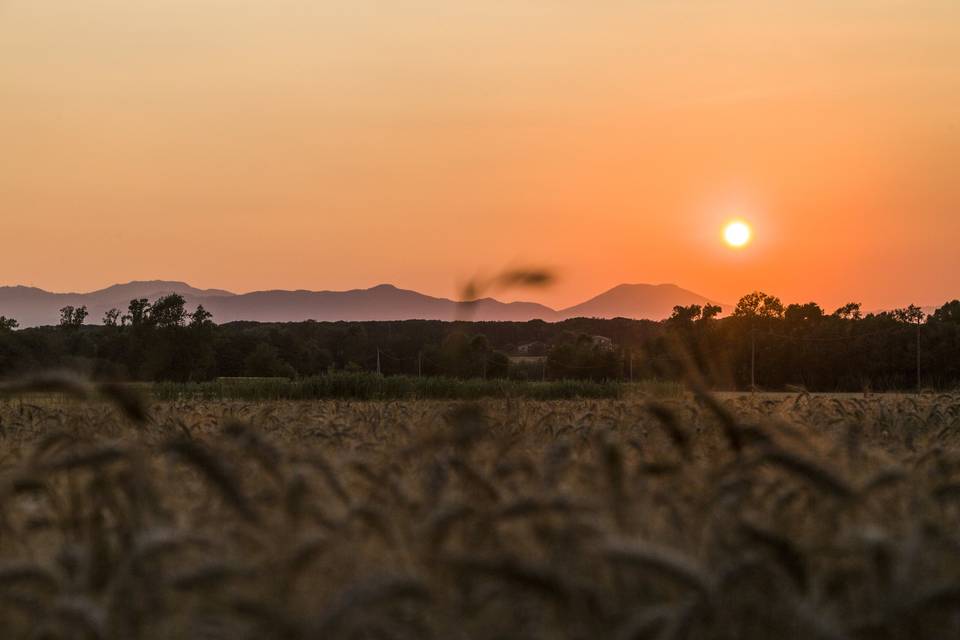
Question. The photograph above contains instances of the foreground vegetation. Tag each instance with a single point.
(790, 516)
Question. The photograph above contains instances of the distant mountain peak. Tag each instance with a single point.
(638, 300)
(148, 283)
(166, 286)
(643, 285)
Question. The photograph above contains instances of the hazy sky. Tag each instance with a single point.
(332, 145)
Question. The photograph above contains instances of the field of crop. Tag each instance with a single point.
(736, 516)
(371, 386)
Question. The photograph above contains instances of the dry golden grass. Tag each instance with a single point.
(768, 516)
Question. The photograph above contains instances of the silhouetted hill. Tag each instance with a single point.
(639, 301)
(31, 306)
(153, 288)
(34, 307)
(383, 302)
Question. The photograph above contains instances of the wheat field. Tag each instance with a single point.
(685, 516)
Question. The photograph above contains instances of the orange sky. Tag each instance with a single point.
(332, 145)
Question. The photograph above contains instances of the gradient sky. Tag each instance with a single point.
(333, 145)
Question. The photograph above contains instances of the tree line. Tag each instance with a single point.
(762, 342)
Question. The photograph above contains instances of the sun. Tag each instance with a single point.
(737, 233)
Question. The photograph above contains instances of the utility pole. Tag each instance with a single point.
(631, 366)
(378, 360)
(419, 364)
(753, 360)
(918, 357)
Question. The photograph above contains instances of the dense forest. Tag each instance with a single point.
(763, 343)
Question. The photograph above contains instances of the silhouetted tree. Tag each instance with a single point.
(808, 312)
(686, 315)
(111, 318)
(137, 312)
(710, 311)
(758, 305)
(950, 312)
(912, 314)
(168, 311)
(66, 316)
(8, 324)
(849, 311)
(72, 317)
(201, 317)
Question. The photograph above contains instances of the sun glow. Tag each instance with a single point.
(737, 233)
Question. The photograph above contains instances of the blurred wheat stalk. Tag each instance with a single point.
(795, 516)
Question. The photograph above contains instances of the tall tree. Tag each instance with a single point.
(759, 305)
(808, 312)
(912, 314)
(72, 317)
(686, 315)
(950, 312)
(137, 312)
(168, 311)
(201, 317)
(849, 311)
(710, 311)
(111, 318)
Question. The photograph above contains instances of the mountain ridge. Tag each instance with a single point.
(32, 306)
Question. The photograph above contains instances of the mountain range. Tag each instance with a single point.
(35, 307)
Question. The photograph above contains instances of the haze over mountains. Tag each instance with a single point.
(35, 307)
